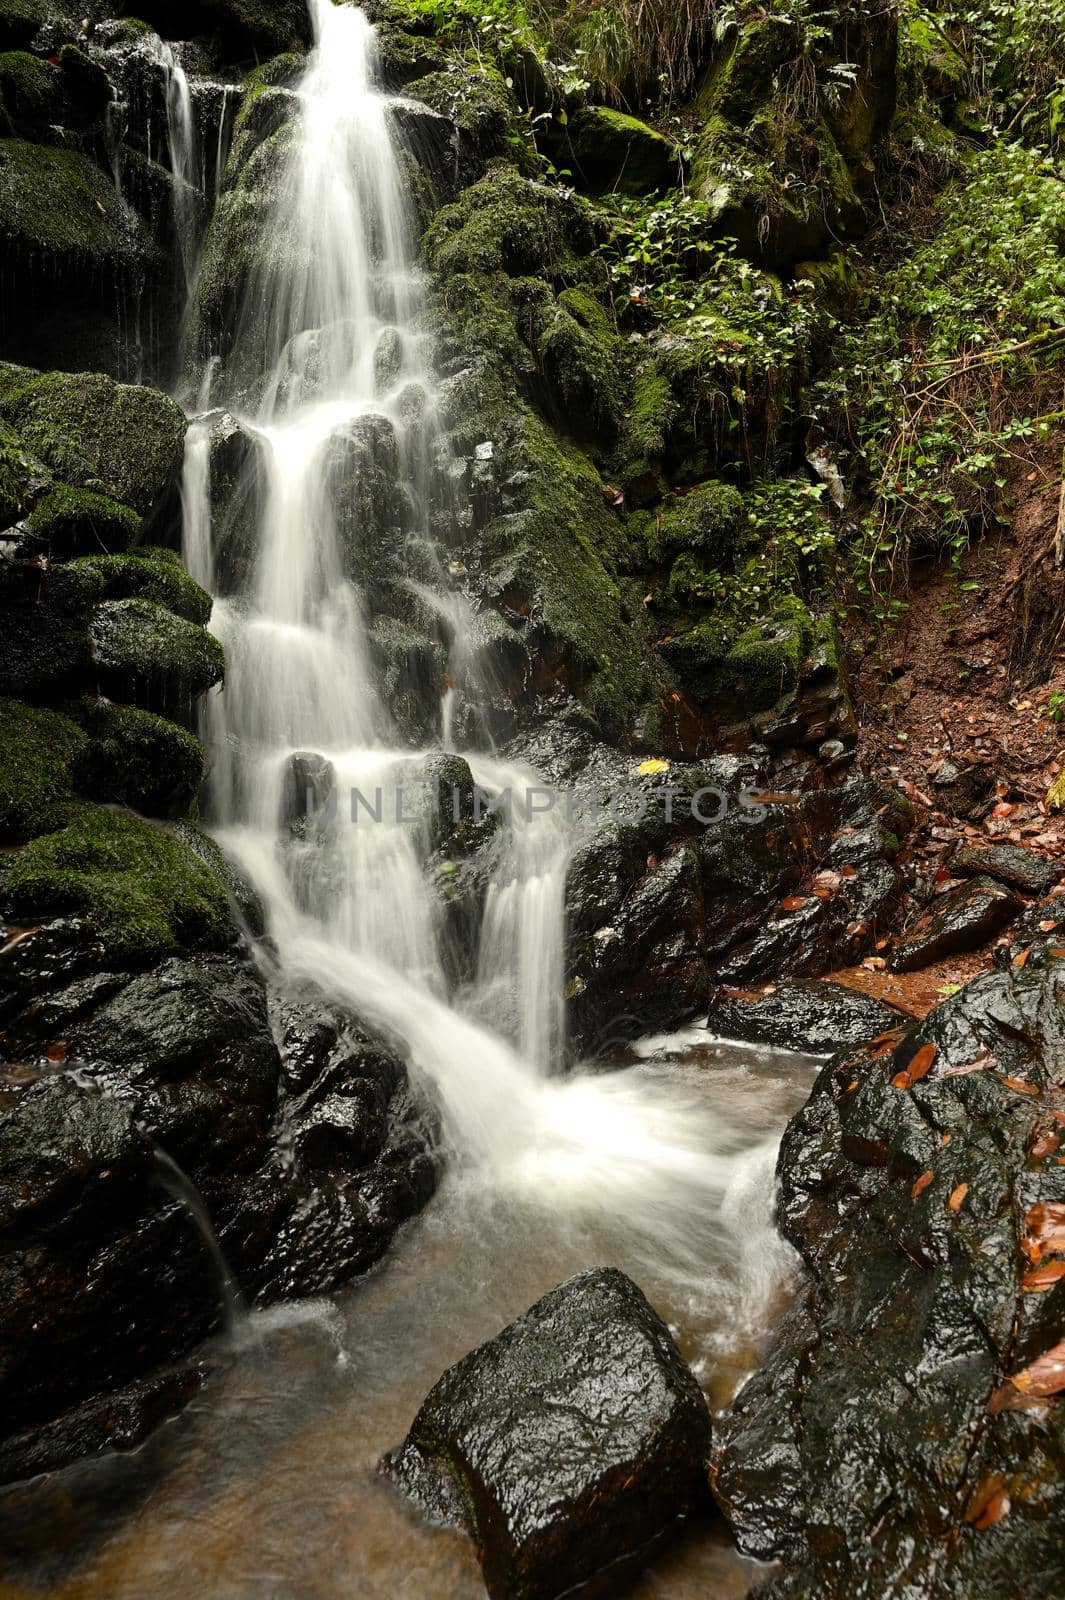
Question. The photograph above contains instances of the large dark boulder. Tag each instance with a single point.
(817, 1018)
(960, 920)
(1021, 869)
(568, 1447)
(883, 1448)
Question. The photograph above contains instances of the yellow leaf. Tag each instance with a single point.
(650, 769)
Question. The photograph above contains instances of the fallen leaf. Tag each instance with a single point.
(1045, 1376)
(1044, 1231)
(1045, 1144)
(1021, 958)
(921, 1061)
(650, 769)
(793, 902)
(1020, 1086)
(848, 871)
(989, 1504)
(1043, 1277)
(957, 1199)
(874, 963)
(921, 1185)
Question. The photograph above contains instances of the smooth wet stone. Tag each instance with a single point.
(1011, 864)
(310, 789)
(568, 1447)
(866, 1450)
(961, 920)
(817, 1018)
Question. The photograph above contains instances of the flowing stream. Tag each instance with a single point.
(662, 1166)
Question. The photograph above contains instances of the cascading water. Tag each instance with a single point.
(333, 323)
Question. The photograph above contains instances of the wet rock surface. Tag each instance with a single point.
(957, 921)
(1021, 869)
(894, 1440)
(818, 1018)
(302, 1136)
(569, 1447)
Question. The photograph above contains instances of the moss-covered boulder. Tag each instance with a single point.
(137, 759)
(22, 477)
(29, 90)
(114, 439)
(37, 749)
(21, 21)
(580, 353)
(242, 29)
(143, 891)
(70, 522)
(151, 575)
(708, 521)
(477, 101)
(612, 152)
(143, 652)
(57, 205)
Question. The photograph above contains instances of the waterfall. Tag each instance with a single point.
(331, 332)
(179, 1186)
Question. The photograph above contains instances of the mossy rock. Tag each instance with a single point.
(29, 90)
(115, 439)
(144, 892)
(86, 85)
(23, 479)
(510, 224)
(22, 20)
(151, 575)
(241, 28)
(144, 652)
(37, 750)
(70, 522)
(764, 665)
(56, 205)
(479, 103)
(615, 153)
(580, 353)
(137, 759)
(708, 521)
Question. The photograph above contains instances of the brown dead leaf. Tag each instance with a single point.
(1045, 1376)
(921, 1061)
(983, 1063)
(1044, 1144)
(793, 902)
(1044, 1231)
(989, 1504)
(1043, 1277)
(957, 1199)
(1021, 958)
(921, 1185)
(1020, 1086)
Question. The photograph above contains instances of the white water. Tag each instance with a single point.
(349, 907)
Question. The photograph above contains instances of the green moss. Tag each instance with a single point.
(22, 477)
(112, 438)
(141, 648)
(27, 85)
(708, 521)
(579, 351)
(71, 521)
(613, 152)
(36, 751)
(144, 891)
(653, 413)
(765, 663)
(55, 202)
(506, 223)
(137, 759)
(477, 100)
(21, 19)
(153, 575)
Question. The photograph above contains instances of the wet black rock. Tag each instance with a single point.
(569, 1447)
(881, 1447)
(310, 790)
(961, 920)
(1011, 864)
(816, 1018)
